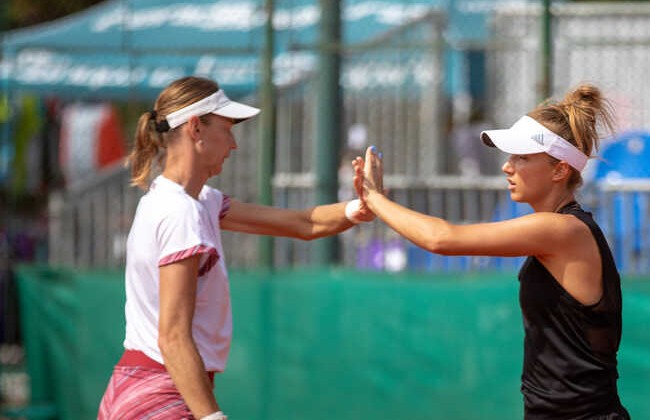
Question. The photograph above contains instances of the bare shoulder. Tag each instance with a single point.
(575, 262)
(559, 226)
(575, 230)
(563, 235)
(575, 226)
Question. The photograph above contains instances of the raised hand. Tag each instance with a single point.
(373, 172)
(357, 181)
(364, 213)
(368, 176)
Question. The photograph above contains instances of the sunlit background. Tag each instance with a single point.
(417, 78)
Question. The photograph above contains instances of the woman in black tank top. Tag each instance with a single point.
(570, 292)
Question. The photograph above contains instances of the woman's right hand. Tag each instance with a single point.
(368, 173)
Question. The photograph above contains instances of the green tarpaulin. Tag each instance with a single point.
(313, 345)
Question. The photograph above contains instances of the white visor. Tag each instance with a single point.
(527, 136)
(218, 104)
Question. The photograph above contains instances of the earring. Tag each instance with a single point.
(200, 142)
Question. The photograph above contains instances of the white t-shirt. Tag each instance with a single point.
(169, 226)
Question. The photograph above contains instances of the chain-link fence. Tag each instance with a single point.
(394, 96)
(391, 98)
(603, 43)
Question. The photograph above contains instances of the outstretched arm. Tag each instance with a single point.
(307, 224)
(536, 234)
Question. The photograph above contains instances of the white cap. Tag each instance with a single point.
(218, 104)
(527, 136)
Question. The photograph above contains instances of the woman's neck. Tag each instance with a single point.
(184, 173)
(554, 202)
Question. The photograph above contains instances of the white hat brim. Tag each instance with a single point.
(237, 111)
(512, 141)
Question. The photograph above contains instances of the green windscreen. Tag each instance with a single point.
(322, 344)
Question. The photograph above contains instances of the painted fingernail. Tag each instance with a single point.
(381, 155)
(373, 149)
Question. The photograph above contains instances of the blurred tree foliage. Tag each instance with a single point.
(20, 13)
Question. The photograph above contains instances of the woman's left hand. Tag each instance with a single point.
(368, 176)
(364, 214)
(368, 173)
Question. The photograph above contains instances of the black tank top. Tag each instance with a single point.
(570, 348)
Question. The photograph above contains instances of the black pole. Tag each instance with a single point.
(546, 89)
(266, 154)
(328, 121)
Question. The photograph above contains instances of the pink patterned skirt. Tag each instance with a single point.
(141, 388)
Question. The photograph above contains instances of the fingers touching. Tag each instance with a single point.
(368, 173)
(357, 164)
(373, 170)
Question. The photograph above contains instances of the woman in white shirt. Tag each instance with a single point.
(178, 315)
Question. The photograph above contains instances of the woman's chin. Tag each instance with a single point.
(516, 197)
(216, 170)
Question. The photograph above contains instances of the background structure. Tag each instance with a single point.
(419, 79)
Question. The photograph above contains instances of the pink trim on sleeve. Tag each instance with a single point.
(225, 206)
(213, 257)
(210, 261)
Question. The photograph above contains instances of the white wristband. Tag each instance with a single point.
(352, 211)
(215, 416)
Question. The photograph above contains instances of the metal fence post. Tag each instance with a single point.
(546, 89)
(328, 121)
(266, 150)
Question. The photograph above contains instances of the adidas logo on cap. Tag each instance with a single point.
(539, 138)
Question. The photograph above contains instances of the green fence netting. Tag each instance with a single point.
(322, 344)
